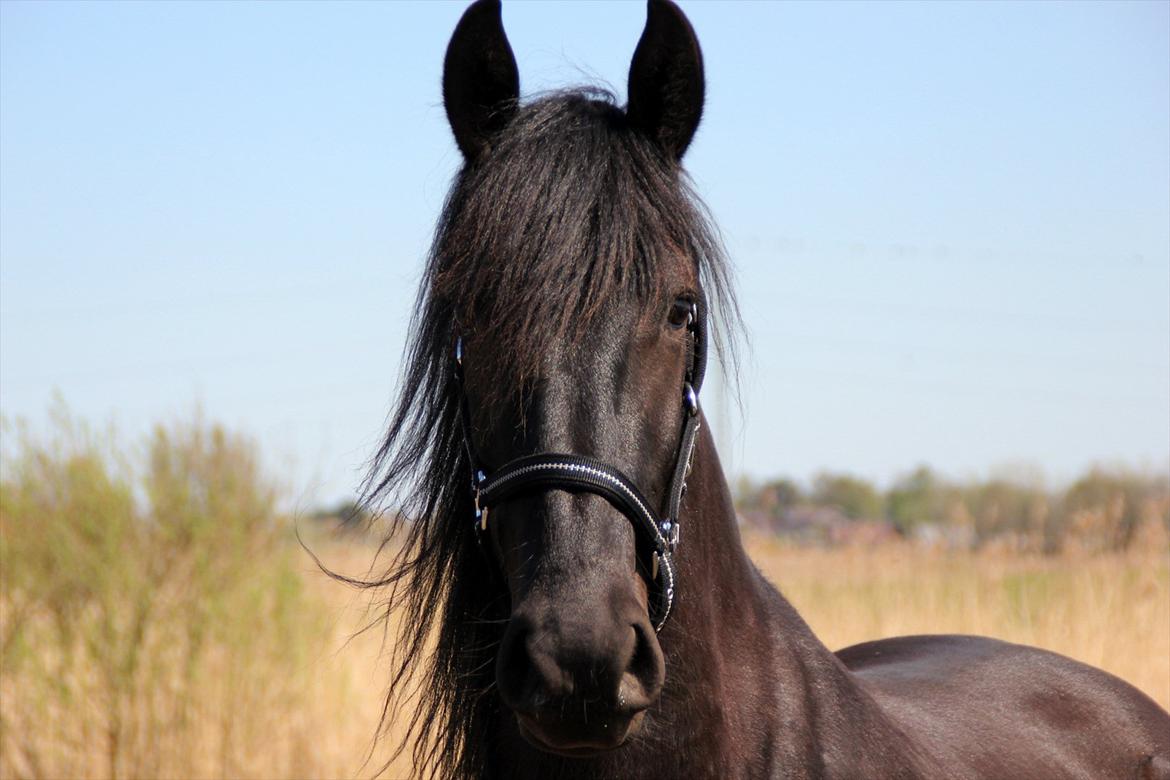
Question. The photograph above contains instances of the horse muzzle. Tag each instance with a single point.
(579, 681)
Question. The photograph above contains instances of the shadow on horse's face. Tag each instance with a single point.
(579, 662)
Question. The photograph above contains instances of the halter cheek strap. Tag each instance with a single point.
(657, 535)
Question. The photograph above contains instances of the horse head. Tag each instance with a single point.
(570, 265)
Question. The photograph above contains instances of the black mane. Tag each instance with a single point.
(571, 208)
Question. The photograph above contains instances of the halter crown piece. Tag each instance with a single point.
(657, 535)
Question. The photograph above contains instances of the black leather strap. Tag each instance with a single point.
(561, 471)
(573, 472)
(682, 469)
(697, 368)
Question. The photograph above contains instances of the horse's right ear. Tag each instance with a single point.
(481, 85)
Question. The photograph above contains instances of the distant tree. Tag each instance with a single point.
(746, 493)
(915, 499)
(1000, 506)
(779, 495)
(853, 496)
(1108, 505)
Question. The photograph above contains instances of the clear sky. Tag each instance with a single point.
(951, 221)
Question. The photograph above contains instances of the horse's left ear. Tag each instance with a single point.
(480, 82)
(666, 79)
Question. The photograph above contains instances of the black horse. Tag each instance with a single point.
(553, 618)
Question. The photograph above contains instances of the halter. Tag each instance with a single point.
(658, 535)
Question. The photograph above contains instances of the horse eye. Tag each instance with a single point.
(680, 312)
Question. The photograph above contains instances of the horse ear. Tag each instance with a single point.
(666, 79)
(480, 82)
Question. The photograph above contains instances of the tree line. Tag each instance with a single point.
(1105, 509)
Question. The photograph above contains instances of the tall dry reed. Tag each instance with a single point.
(1108, 610)
(154, 620)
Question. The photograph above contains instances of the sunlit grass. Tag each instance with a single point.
(157, 618)
(1107, 610)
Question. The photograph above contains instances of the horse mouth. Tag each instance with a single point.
(579, 739)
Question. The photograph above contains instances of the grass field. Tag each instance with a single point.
(316, 718)
(1111, 611)
(159, 620)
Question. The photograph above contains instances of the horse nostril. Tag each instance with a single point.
(645, 671)
(618, 670)
(513, 667)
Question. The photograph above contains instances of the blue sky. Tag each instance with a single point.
(951, 221)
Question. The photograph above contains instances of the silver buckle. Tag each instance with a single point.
(481, 514)
(690, 399)
(670, 532)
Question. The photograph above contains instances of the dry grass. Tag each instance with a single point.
(1109, 611)
(157, 619)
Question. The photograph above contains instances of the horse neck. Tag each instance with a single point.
(745, 674)
(720, 590)
(749, 692)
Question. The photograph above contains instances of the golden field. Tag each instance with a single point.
(158, 618)
(1111, 610)
(317, 719)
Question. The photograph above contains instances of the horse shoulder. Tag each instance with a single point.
(1007, 710)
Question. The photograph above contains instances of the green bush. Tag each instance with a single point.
(144, 595)
(855, 497)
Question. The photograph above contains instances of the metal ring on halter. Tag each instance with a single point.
(690, 399)
(670, 529)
